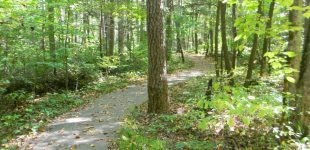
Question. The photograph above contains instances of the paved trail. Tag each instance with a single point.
(94, 126)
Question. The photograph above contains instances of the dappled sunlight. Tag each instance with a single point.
(71, 121)
(76, 120)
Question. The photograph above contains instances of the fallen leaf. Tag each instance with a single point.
(72, 147)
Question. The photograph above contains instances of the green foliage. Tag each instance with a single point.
(175, 64)
(17, 97)
(131, 139)
(235, 116)
(195, 145)
(37, 112)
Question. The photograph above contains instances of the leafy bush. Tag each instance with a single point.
(235, 117)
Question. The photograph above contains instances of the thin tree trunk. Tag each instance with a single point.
(254, 48)
(216, 42)
(111, 33)
(211, 41)
(66, 50)
(196, 34)
(101, 32)
(224, 39)
(51, 32)
(234, 34)
(121, 35)
(169, 33)
(263, 70)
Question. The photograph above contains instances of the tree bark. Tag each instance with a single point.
(224, 39)
(157, 75)
(121, 34)
(304, 81)
(234, 34)
(196, 34)
(51, 32)
(294, 45)
(254, 47)
(101, 31)
(169, 33)
(263, 70)
(211, 41)
(216, 32)
(111, 33)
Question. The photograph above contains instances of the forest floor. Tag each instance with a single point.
(95, 126)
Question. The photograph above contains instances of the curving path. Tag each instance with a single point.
(95, 126)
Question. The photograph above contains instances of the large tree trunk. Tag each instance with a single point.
(294, 45)
(263, 71)
(304, 81)
(254, 47)
(224, 39)
(51, 32)
(157, 75)
(216, 39)
(169, 33)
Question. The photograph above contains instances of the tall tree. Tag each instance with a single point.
(157, 75)
(224, 38)
(196, 32)
(169, 33)
(178, 33)
(51, 31)
(101, 30)
(263, 71)
(121, 33)
(111, 32)
(304, 80)
(255, 45)
(216, 38)
(294, 45)
(234, 35)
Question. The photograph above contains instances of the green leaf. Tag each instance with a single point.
(290, 79)
(231, 121)
(290, 54)
(124, 138)
(216, 86)
(203, 124)
(276, 65)
(270, 54)
(200, 104)
(246, 120)
(238, 37)
(307, 14)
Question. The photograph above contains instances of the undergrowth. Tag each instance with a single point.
(234, 118)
